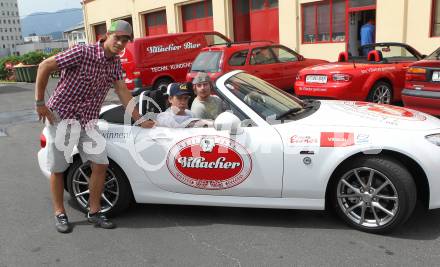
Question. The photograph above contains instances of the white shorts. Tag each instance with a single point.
(60, 148)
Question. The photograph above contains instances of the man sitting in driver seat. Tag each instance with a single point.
(177, 115)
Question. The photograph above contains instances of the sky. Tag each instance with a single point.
(27, 7)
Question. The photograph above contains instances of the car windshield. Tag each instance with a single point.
(207, 61)
(435, 55)
(266, 100)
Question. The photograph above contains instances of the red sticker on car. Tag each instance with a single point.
(209, 162)
(390, 111)
(334, 139)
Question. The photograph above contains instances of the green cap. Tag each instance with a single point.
(122, 28)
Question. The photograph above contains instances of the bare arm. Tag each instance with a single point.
(125, 98)
(44, 70)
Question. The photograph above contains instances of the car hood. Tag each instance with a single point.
(364, 114)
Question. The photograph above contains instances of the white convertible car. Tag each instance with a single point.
(368, 162)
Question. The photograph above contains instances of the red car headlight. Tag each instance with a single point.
(341, 77)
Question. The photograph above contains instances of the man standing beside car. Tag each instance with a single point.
(368, 31)
(205, 105)
(87, 73)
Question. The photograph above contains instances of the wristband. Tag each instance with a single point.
(40, 103)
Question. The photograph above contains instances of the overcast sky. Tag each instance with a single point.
(27, 7)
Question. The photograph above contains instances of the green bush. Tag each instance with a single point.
(3, 71)
(33, 58)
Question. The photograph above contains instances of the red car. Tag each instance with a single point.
(422, 87)
(378, 77)
(271, 62)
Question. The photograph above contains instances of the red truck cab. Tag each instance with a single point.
(156, 61)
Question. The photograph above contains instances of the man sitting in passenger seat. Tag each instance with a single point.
(205, 105)
(177, 115)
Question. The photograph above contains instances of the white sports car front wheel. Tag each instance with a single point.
(374, 194)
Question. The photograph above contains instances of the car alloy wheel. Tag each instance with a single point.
(367, 197)
(116, 195)
(381, 93)
(80, 188)
(373, 193)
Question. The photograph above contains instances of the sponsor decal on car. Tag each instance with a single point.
(171, 67)
(362, 139)
(311, 89)
(171, 47)
(385, 110)
(383, 69)
(209, 162)
(301, 139)
(115, 135)
(337, 139)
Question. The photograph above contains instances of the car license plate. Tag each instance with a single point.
(436, 76)
(316, 79)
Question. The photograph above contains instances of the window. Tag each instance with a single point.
(238, 58)
(263, 4)
(435, 23)
(262, 55)
(283, 54)
(156, 18)
(197, 10)
(362, 3)
(323, 21)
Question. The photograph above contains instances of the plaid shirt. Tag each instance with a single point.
(86, 77)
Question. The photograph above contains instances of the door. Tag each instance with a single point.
(264, 23)
(207, 161)
(241, 20)
(288, 65)
(197, 17)
(263, 64)
(156, 23)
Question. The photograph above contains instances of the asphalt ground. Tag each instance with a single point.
(171, 235)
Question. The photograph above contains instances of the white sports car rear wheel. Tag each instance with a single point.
(116, 196)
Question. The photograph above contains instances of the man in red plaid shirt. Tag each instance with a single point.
(87, 73)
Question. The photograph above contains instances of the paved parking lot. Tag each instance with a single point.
(161, 235)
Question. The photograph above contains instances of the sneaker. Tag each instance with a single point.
(100, 220)
(62, 223)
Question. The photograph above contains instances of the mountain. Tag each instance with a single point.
(45, 23)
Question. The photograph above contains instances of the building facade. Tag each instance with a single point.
(314, 28)
(75, 35)
(10, 27)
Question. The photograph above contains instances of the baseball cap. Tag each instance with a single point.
(179, 89)
(202, 77)
(121, 28)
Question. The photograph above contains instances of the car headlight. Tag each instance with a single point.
(433, 138)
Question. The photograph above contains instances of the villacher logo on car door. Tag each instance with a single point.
(209, 162)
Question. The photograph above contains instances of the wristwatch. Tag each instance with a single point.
(40, 103)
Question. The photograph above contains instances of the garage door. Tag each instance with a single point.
(197, 17)
(156, 23)
(256, 20)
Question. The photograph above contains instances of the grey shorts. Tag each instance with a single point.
(64, 136)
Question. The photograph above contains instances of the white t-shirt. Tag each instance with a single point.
(169, 119)
(208, 109)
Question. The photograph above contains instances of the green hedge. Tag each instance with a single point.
(31, 58)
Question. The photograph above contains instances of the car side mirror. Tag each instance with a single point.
(300, 58)
(229, 122)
